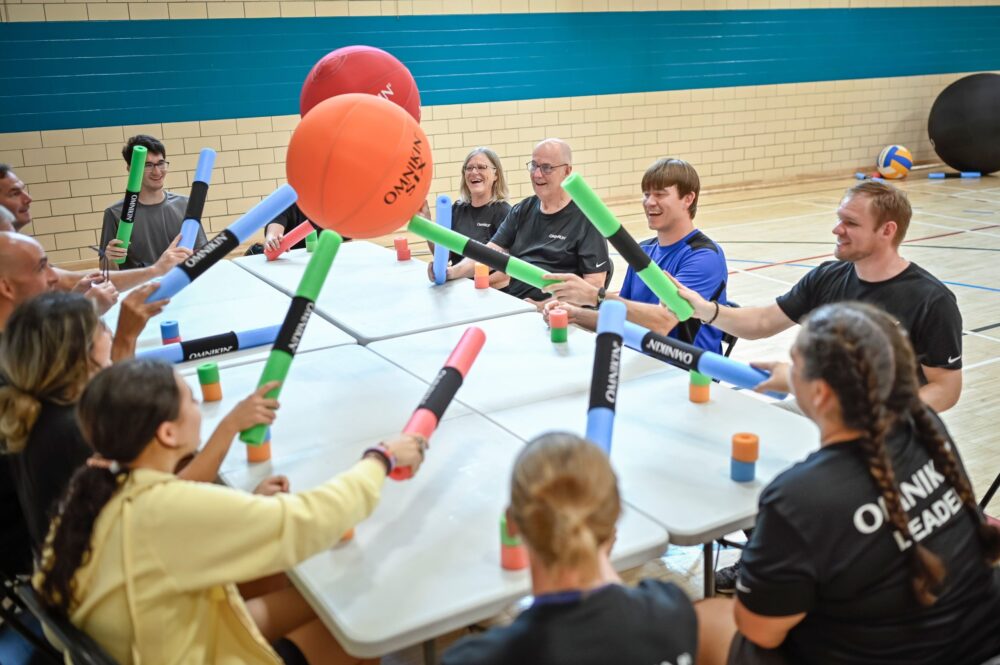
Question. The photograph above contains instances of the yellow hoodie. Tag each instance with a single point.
(160, 583)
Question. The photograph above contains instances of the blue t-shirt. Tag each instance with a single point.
(697, 263)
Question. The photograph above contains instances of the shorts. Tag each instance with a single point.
(744, 652)
(289, 653)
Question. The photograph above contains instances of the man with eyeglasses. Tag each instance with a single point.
(15, 201)
(548, 230)
(158, 217)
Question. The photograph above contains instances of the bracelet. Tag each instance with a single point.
(714, 316)
(601, 294)
(384, 455)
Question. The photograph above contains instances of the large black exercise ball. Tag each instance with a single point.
(964, 125)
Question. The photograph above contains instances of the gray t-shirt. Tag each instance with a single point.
(154, 228)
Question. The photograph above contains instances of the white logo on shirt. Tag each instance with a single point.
(603, 262)
(742, 588)
(484, 225)
(951, 360)
(683, 659)
(555, 237)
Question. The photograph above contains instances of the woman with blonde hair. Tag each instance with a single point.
(482, 199)
(564, 503)
(52, 346)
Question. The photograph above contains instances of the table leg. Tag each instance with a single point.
(709, 561)
(430, 652)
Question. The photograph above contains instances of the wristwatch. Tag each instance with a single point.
(601, 293)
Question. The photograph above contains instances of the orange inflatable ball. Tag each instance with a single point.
(360, 165)
(360, 69)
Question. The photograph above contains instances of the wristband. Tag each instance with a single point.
(384, 454)
(714, 316)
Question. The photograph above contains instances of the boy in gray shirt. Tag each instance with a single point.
(158, 217)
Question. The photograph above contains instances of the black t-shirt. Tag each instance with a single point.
(922, 305)
(822, 546)
(291, 217)
(477, 223)
(650, 624)
(15, 555)
(564, 241)
(55, 450)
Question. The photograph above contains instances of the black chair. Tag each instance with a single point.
(13, 612)
(82, 649)
(985, 501)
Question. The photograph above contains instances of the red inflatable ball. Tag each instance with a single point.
(360, 165)
(360, 69)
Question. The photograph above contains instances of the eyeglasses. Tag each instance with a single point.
(546, 169)
(162, 165)
(482, 168)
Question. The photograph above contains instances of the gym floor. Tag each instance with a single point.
(772, 235)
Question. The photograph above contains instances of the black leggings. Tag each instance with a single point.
(290, 654)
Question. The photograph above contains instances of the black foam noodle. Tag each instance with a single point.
(442, 391)
(488, 256)
(196, 201)
(209, 254)
(607, 370)
(629, 249)
(294, 325)
(214, 345)
(672, 351)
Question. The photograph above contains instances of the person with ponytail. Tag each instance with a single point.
(873, 549)
(564, 504)
(53, 345)
(147, 564)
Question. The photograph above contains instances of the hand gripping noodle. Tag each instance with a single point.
(495, 259)
(131, 202)
(290, 335)
(431, 409)
(638, 260)
(216, 249)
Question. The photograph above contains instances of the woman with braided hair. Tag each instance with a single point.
(564, 503)
(872, 550)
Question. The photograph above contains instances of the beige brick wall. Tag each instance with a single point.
(731, 135)
(53, 10)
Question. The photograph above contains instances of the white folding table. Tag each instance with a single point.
(518, 365)
(373, 296)
(223, 299)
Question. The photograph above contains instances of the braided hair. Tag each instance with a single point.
(905, 402)
(844, 347)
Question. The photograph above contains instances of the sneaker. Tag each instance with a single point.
(725, 579)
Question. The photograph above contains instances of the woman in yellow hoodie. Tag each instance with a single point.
(147, 564)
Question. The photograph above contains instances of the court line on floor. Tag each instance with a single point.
(985, 328)
(981, 363)
(807, 266)
(818, 242)
(979, 230)
(972, 333)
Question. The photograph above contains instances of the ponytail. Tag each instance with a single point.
(18, 413)
(89, 491)
(564, 500)
(119, 413)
